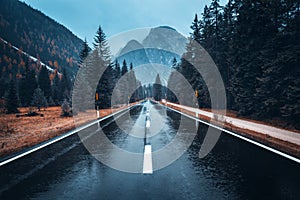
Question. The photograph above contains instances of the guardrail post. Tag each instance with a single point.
(98, 112)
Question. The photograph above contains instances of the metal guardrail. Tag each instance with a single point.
(237, 135)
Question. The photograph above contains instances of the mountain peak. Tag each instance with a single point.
(166, 38)
(167, 27)
(132, 45)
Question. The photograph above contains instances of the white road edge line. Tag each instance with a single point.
(147, 166)
(61, 137)
(239, 136)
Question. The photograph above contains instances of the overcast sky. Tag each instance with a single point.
(83, 17)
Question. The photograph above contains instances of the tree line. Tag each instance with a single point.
(35, 90)
(256, 47)
(98, 59)
(37, 86)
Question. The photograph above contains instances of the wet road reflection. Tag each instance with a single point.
(233, 170)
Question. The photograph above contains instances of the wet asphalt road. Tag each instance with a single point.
(234, 169)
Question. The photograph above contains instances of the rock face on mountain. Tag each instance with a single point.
(132, 45)
(155, 54)
(160, 46)
(167, 39)
(135, 53)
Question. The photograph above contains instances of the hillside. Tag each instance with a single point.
(38, 35)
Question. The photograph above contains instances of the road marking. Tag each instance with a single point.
(147, 166)
(148, 124)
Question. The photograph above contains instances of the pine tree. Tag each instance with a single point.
(174, 63)
(44, 82)
(123, 85)
(140, 93)
(131, 66)
(99, 38)
(38, 99)
(210, 36)
(124, 69)
(206, 28)
(11, 101)
(86, 79)
(117, 70)
(100, 43)
(3, 86)
(173, 85)
(65, 85)
(195, 79)
(149, 90)
(289, 63)
(157, 89)
(252, 36)
(267, 99)
(66, 109)
(132, 84)
(216, 10)
(84, 51)
(106, 83)
(57, 92)
(116, 78)
(27, 85)
(105, 87)
(227, 48)
(196, 25)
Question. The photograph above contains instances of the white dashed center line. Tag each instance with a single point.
(147, 167)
